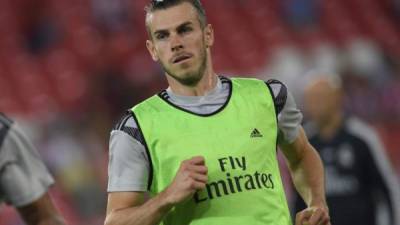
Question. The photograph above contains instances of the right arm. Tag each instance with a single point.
(129, 208)
(128, 176)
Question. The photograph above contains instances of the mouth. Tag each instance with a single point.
(181, 58)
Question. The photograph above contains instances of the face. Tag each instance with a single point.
(179, 43)
(322, 102)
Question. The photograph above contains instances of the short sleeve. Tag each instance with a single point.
(128, 166)
(23, 176)
(289, 116)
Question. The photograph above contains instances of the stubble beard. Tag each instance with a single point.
(189, 78)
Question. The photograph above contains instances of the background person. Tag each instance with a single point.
(361, 186)
(24, 180)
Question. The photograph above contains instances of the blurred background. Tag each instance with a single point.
(70, 68)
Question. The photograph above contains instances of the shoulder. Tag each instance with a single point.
(277, 87)
(274, 85)
(150, 105)
(126, 120)
(127, 125)
(279, 92)
(243, 81)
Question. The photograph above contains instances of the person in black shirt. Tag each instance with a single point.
(361, 186)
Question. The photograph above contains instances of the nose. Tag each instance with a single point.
(176, 43)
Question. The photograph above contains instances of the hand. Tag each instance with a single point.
(191, 177)
(314, 215)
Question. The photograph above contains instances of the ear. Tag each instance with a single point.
(209, 35)
(152, 50)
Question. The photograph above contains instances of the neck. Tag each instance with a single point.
(205, 85)
(329, 128)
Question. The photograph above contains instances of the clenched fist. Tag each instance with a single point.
(191, 177)
(313, 216)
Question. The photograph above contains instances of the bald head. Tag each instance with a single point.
(323, 98)
(333, 81)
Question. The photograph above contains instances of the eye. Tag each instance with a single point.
(161, 36)
(185, 29)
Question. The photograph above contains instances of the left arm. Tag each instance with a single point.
(304, 162)
(307, 173)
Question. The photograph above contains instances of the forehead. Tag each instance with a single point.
(172, 17)
(320, 86)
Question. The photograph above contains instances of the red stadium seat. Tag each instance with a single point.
(9, 100)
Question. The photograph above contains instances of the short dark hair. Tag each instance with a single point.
(155, 5)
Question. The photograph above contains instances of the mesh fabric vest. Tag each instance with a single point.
(239, 145)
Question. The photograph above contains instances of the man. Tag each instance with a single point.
(205, 148)
(24, 180)
(358, 173)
